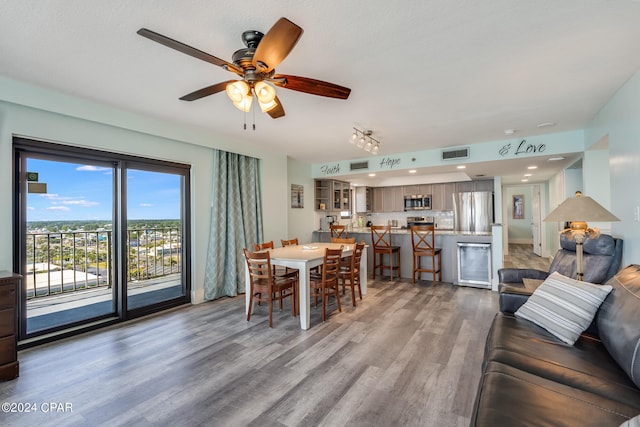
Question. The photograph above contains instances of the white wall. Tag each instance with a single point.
(597, 182)
(44, 114)
(301, 221)
(619, 120)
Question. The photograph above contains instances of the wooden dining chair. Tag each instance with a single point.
(290, 242)
(382, 245)
(326, 284)
(265, 286)
(338, 230)
(350, 275)
(423, 240)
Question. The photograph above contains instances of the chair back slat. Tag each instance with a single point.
(348, 240)
(260, 272)
(423, 238)
(381, 236)
(290, 242)
(263, 246)
(338, 230)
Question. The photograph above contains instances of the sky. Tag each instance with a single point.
(84, 192)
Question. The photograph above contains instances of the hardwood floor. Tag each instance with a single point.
(405, 355)
(522, 256)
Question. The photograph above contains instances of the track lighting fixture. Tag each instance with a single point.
(363, 139)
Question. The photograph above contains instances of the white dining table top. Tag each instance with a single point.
(307, 251)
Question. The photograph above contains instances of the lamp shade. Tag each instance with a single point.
(580, 208)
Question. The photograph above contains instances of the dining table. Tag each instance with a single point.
(304, 258)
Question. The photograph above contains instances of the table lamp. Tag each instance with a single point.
(578, 210)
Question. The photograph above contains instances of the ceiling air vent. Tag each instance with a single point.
(458, 153)
(359, 165)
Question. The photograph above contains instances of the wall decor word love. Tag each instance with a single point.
(522, 148)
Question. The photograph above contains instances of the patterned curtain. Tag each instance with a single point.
(236, 222)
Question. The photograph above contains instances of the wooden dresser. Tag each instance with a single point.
(9, 283)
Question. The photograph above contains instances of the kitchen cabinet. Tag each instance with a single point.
(341, 196)
(377, 199)
(322, 195)
(481, 185)
(331, 195)
(442, 196)
(364, 199)
(422, 189)
(392, 199)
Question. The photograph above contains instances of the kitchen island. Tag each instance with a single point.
(446, 239)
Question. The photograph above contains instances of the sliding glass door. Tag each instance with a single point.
(67, 264)
(100, 237)
(154, 237)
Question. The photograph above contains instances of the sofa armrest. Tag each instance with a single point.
(515, 275)
(512, 297)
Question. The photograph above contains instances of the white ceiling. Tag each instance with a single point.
(427, 74)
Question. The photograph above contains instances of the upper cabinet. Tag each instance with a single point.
(388, 199)
(331, 195)
(442, 196)
(481, 185)
(422, 189)
(364, 199)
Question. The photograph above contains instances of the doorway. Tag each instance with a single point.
(100, 237)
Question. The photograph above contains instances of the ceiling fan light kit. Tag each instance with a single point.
(256, 64)
(363, 140)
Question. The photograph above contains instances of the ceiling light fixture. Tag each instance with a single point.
(461, 167)
(363, 139)
(555, 159)
(532, 167)
(509, 131)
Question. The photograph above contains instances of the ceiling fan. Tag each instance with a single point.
(256, 64)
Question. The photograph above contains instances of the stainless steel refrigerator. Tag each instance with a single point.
(473, 211)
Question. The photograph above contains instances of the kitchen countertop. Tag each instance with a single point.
(408, 231)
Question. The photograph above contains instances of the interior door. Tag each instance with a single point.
(536, 219)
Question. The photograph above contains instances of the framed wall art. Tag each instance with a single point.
(518, 206)
(297, 196)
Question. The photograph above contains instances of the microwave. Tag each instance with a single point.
(417, 202)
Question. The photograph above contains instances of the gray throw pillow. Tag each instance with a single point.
(563, 306)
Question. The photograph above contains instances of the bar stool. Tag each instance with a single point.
(423, 239)
(339, 231)
(381, 238)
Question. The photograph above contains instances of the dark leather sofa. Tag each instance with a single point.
(531, 378)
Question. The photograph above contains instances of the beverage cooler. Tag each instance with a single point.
(474, 265)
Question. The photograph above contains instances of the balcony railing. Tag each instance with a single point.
(60, 262)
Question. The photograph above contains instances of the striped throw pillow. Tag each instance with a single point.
(563, 306)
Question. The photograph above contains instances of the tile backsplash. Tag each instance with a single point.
(442, 219)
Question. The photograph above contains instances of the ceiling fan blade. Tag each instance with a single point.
(312, 86)
(206, 91)
(276, 45)
(191, 51)
(277, 111)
